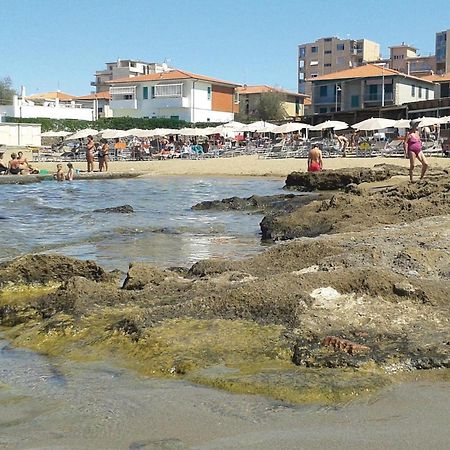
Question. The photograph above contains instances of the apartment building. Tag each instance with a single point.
(443, 52)
(123, 68)
(367, 86)
(404, 58)
(331, 54)
(174, 94)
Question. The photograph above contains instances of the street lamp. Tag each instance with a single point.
(338, 89)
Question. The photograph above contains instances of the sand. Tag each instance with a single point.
(241, 165)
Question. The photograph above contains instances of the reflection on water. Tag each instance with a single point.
(59, 218)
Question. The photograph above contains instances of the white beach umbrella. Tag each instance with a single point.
(334, 124)
(290, 127)
(237, 126)
(445, 119)
(194, 131)
(81, 134)
(138, 132)
(402, 123)
(56, 133)
(260, 127)
(112, 134)
(374, 123)
(428, 121)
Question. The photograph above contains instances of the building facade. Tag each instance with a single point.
(123, 68)
(404, 58)
(443, 52)
(367, 86)
(175, 94)
(331, 54)
(292, 103)
(99, 102)
(442, 84)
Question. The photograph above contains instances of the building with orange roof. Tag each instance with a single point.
(442, 83)
(98, 101)
(175, 94)
(367, 86)
(249, 97)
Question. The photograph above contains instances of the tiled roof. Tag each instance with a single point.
(51, 96)
(438, 78)
(170, 75)
(366, 71)
(96, 96)
(260, 89)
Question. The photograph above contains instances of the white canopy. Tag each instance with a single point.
(56, 133)
(259, 127)
(290, 127)
(374, 123)
(81, 134)
(445, 119)
(112, 134)
(428, 121)
(402, 123)
(195, 131)
(138, 132)
(334, 124)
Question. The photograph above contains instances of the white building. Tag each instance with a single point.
(125, 68)
(51, 105)
(175, 94)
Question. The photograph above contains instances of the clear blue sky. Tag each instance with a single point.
(59, 44)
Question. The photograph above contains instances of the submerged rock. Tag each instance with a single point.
(123, 209)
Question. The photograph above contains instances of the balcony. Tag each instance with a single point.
(376, 98)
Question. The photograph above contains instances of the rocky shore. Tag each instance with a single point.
(356, 292)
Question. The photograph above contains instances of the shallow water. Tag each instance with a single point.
(59, 218)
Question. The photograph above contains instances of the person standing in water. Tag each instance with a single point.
(70, 172)
(413, 150)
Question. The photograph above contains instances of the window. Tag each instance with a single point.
(153, 91)
(314, 63)
(327, 65)
(301, 76)
(145, 92)
(340, 60)
(209, 92)
(314, 75)
(327, 52)
(327, 40)
(128, 97)
(322, 110)
(413, 91)
(168, 90)
(175, 117)
(301, 63)
(340, 47)
(314, 49)
(427, 94)
(302, 52)
(323, 92)
(420, 92)
(354, 102)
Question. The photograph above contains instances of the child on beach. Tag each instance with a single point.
(59, 175)
(70, 172)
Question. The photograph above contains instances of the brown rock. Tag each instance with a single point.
(344, 345)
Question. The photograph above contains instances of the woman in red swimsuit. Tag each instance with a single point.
(413, 150)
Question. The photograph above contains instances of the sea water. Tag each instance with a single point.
(51, 217)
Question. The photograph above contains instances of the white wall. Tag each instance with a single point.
(403, 91)
(20, 134)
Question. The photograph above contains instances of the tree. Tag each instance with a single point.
(6, 91)
(270, 106)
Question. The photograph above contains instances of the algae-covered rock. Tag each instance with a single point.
(140, 275)
(44, 269)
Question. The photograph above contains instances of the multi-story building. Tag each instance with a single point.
(174, 94)
(404, 58)
(367, 86)
(443, 52)
(292, 103)
(123, 68)
(331, 54)
(442, 83)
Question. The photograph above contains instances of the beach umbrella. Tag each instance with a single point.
(113, 134)
(194, 131)
(334, 124)
(259, 127)
(290, 127)
(138, 132)
(56, 133)
(81, 134)
(402, 123)
(445, 119)
(374, 123)
(428, 121)
(237, 126)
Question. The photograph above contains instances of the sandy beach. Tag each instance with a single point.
(241, 165)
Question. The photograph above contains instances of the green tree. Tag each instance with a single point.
(270, 106)
(6, 91)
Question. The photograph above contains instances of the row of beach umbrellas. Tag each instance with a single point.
(231, 128)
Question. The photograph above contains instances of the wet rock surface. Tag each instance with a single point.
(123, 209)
(370, 292)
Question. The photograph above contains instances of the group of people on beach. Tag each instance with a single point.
(17, 165)
(102, 149)
(412, 148)
(61, 176)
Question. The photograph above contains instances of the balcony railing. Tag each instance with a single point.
(388, 97)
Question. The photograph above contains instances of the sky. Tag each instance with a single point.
(48, 45)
